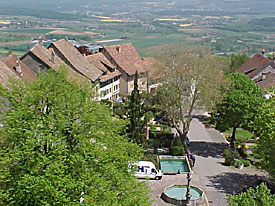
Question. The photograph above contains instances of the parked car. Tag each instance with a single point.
(147, 169)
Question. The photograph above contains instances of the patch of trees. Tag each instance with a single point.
(7, 37)
(264, 24)
(39, 13)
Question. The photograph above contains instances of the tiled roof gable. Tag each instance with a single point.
(77, 60)
(26, 73)
(5, 75)
(253, 65)
(127, 58)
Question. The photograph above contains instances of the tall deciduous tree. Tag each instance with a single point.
(265, 125)
(239, 105)
(136, 114)
(237, 60)
(58, 147)
(191, 80)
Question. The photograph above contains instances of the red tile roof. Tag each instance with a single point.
(6, 74)
(253, 65)
(99, 60)
(77, 60)
(127, 58)
(266, 81)
(26, 73)
(44, 55)
(102, 63)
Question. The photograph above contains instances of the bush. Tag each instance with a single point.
(230, 156)
(177, 148)
(242, 150)
(246, 163)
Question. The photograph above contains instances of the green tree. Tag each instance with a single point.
(237, 60)
(9, 52)
(136, 115)
(239, 105)
(57, 146)
(260, 196)
(190, 83)
(265, 125)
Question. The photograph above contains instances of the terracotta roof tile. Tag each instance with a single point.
(99, 60)
(266, 81)
(126, 58)
(102, 63)
(5, 75)
(253, 65)
(109, 75)
(44, 55)
(76, 59)
(26, 73)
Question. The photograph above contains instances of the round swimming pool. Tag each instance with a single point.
(177, 194)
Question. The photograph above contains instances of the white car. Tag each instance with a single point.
(147, 169)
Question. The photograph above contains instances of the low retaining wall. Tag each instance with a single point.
(196, 202)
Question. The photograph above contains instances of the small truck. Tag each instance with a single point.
(147, 169)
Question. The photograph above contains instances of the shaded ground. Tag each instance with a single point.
(208, 149)
(233, 183)
(216, 179)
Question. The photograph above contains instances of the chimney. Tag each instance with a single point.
(18, 67)
(263, 76)
(52, 55)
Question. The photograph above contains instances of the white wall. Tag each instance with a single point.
(110, 91)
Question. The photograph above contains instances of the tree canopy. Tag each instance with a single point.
(239, 105)
(58, 147)
(253, 197)
(265, 125)
(136, 115)
(237, 60)
(191, 80)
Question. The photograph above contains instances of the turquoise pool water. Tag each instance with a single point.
(179, 192)
(174, 165)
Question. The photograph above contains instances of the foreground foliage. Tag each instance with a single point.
(261, 196)
(265, 124)
(58, 146)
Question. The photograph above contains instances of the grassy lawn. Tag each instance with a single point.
(241, 134)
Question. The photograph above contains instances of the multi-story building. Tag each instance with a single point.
(128, 62)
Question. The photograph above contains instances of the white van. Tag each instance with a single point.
(147, 169)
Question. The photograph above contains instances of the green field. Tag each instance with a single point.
(4, 52)
(39, 31)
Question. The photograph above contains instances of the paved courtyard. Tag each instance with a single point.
(210, 174)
